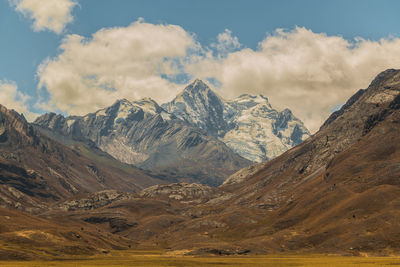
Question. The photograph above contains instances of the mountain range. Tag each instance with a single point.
(197, 137)
(337, 192)
(145, 135)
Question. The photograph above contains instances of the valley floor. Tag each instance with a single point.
(152, 258)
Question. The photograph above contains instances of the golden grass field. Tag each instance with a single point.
(158, 259)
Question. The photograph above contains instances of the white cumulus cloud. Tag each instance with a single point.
(226, 43)
(11, 98)
(121, 62)
(51, 15)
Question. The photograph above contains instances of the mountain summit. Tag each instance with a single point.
(248, 124)
(198, 105)
(196, 86)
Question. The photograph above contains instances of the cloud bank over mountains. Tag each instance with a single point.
(310, 73)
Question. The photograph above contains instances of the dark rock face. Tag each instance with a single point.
(345, 107)
(144, 134)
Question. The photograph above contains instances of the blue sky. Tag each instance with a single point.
(23, 48)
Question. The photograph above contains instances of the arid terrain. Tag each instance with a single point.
(156, 259)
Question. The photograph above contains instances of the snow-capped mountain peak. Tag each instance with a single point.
(121, 108)
(148, 105)
(124, 109)
(200, 106)
(248, 124)
(197, 86)
(257, 98)
(246, 101)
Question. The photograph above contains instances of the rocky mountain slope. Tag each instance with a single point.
(38, 175)
(337, 191)
(144, 134)
(36, 170)
(247, 124)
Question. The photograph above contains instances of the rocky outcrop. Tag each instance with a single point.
(183, 192)
(95, 200)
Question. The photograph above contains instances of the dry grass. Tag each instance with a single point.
(154, 258)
